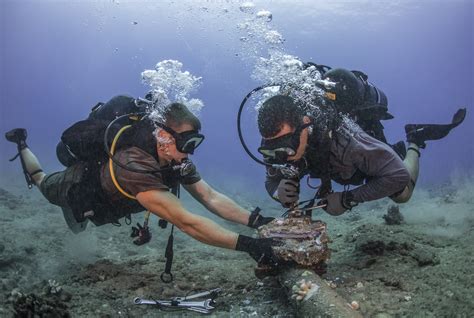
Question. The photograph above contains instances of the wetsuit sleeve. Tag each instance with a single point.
(385, 170)
(272, 179)
(136, 182)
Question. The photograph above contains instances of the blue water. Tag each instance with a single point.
(58, 58)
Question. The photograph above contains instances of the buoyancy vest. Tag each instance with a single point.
(84, 145)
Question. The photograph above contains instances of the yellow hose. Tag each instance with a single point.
(111, 163)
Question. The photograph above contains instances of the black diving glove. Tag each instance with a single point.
(288, 192)
(259, 249)
(338, 202)
(256, 220)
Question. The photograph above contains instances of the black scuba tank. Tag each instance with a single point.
(354, 95)
(83, 141)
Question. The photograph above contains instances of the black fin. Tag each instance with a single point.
(419, 133)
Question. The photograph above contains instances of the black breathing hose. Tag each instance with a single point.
(239, 128)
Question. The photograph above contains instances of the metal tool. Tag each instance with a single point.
(175, 303)
(320, 206)
(297, 212)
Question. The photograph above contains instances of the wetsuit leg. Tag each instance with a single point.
(32, 165)
(412, 163)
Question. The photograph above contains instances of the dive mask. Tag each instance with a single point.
(277, 150)
(187, 141)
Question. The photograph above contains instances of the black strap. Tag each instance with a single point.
(415, 150)
(167, 276)
(254, 216)
(128, 219)
(28, 178)
(326, 186)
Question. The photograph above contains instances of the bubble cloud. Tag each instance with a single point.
(169, 83)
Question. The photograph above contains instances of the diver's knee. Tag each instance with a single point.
(38, 178)
(404, 196)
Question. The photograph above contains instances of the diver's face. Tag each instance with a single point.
(166, 144)
(287, 129)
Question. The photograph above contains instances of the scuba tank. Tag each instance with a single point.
(351, 93)
(84, 140)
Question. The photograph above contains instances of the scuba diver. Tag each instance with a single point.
(344, 142)
(147, 160)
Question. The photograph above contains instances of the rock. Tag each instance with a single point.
(424, 257)
(391, 282)
(393, 216)
(30, 250)
(34, 306)
(65, 296)
(7, 284)
(372, 247)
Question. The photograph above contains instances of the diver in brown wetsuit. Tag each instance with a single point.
(151, 161)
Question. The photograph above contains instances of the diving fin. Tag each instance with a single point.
(17, 136)
(72, 223)
(420, 133)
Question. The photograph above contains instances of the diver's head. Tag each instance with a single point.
(179, 135)
(349, 89)
(284, 129)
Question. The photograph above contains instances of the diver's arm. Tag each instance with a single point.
(387, 173)
(218, 203)
(167, 206)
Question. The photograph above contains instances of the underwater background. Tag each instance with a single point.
(59, 58)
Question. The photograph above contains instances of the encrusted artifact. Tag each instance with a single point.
(303, 242)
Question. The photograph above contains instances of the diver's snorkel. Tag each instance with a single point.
(185, 167)
(289, 171)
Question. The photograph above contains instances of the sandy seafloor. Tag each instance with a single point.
(422, 268)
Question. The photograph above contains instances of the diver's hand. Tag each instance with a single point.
(259, 249)
(288, 192)
(256, 220)
(338, 202)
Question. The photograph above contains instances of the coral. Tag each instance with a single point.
(304, 290)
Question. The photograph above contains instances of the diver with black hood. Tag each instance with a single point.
(343, 142)
(120, 161)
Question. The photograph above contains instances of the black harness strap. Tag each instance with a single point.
(28, 178)
(167, 276)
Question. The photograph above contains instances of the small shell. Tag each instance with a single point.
(302, 293)
(299, 298)
(355, 305)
